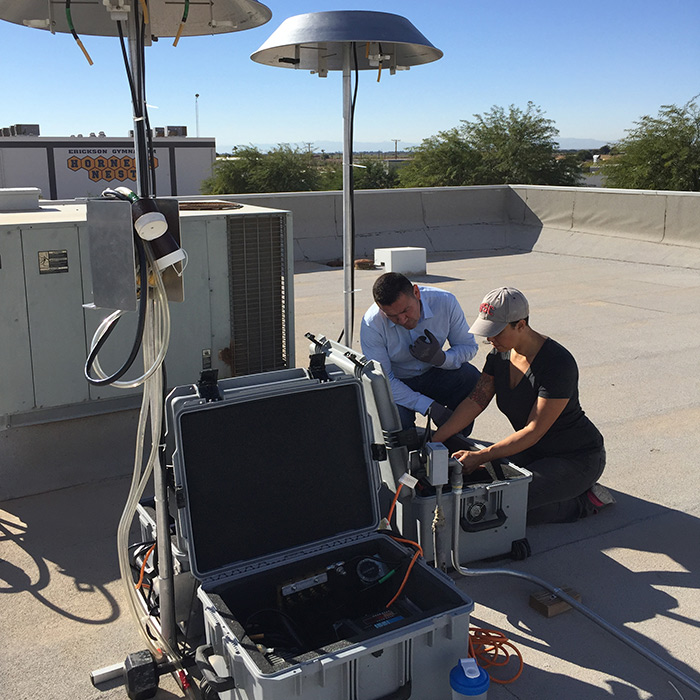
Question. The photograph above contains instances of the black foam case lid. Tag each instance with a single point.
(269, 474)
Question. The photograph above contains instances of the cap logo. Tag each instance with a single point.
(486, 309)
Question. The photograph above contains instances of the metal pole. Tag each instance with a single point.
(348, 234)
(196, 114)
(143, 188)
(166, 583)
(166, 587)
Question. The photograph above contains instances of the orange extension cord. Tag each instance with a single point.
(143, 568)
(490, 649)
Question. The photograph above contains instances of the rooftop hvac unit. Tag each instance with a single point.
(177, 131)
(236, 317)
(25, 129)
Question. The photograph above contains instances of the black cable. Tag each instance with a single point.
(351, 262)
(140, 124)
(136, 80)
(145, 543)
(287, 621)
(133, 90)
(125, 56)
(150, 167)
(143, 301)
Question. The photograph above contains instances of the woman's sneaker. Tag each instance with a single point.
(598, 497)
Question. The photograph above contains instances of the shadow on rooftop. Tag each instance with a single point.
(60, 547)
(622, 562)
(306, 266)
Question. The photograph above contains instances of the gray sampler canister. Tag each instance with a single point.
(469, 680)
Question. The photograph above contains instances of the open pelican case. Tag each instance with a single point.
(302, 595)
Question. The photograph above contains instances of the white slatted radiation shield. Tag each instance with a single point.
(260, 294)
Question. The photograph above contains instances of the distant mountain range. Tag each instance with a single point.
(389, 147)
(580, 144)
(331, 146)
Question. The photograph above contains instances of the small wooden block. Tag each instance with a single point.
(549, 604)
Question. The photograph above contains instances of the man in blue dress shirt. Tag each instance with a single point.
(406, 330)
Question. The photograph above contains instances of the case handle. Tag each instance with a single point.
(499, 520)
(216, 682)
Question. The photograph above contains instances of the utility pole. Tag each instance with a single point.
(396, 148)
(196, 114)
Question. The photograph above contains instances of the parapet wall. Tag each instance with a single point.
(621, 224)
(658, 217)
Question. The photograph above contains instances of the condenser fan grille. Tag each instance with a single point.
(258, 290)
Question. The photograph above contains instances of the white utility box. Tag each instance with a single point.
(408, 261)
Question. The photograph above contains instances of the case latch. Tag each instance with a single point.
(208, 385)
(317, 367)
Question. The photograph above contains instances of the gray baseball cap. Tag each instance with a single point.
(499, 308)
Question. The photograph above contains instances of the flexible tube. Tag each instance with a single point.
(639, 648)
(138, 484)
(69, 19)
(151, 411)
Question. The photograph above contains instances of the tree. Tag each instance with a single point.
(445, 160)
(374, 174)
(660, 153)
(519, 147)
(282, 169)
(234, 174)
(331, 174)
(500, 147)
(287, 169)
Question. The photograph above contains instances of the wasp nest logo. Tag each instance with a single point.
(107, 167)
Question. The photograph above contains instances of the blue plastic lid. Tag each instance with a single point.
(467, 678)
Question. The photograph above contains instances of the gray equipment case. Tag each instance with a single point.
(493, 513)
(278, 503)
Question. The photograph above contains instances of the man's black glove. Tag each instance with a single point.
(438, 413)
(428, 349)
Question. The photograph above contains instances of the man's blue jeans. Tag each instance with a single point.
(448, 387)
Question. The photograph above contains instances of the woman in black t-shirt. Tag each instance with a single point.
(535, 382)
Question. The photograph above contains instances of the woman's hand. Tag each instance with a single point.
(470, 461)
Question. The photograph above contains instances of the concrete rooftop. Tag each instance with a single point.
(634, 329)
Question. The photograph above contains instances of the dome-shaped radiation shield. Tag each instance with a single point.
(314, 42)
(91, 17)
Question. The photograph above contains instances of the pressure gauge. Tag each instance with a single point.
(371, 570)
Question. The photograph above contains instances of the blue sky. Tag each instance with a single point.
(594, 67)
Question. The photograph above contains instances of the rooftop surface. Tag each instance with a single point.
(634, 329)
